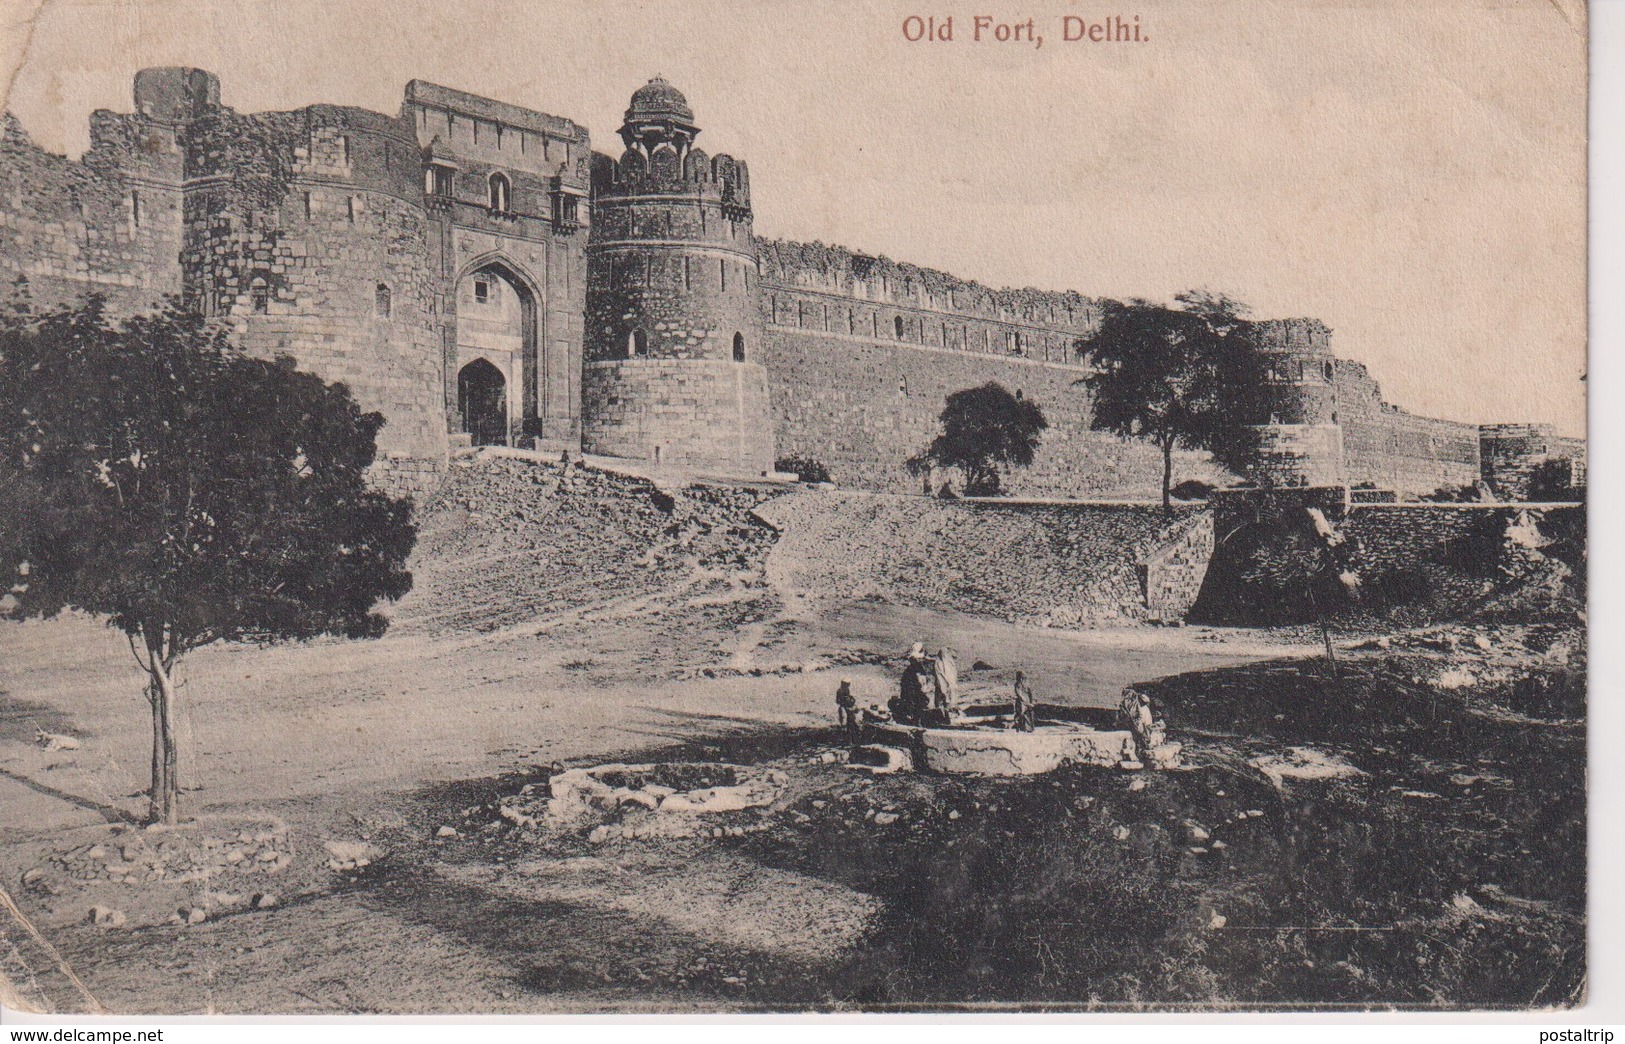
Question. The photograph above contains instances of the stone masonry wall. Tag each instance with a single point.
(684, 412)
(863, 405)
(1436, 560)
(305, 231)
(1510, 454)
(108, 223)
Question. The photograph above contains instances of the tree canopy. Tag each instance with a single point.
(1190, 376)
(188, 493)
(983, 430)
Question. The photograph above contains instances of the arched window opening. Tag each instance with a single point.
(739, 347)
(259, 296)
(897, 326)
(381, 303)
(500, 193)
(637, 344)
(1329, 372)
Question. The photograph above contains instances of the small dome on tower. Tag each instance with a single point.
(659, 100)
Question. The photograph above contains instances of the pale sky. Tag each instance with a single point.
(1411, 172)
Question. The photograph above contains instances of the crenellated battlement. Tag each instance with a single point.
(877, 280)
(474, 270)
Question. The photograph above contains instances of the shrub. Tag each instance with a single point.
(804, 468)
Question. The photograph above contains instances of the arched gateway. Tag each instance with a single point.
(497, 340)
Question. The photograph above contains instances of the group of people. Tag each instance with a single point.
(926, 695)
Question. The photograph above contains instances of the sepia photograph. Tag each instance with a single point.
(531, 507)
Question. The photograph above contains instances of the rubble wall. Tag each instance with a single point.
(1051, 564)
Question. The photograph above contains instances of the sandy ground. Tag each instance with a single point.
(356, 739)
(335, 719)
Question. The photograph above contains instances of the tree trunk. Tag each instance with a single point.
(1325, 630)
(1167, 476)
(163, 800)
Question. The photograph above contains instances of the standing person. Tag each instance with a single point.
(945, 682)
(911, 702)
(1022, 718)
(846, 710)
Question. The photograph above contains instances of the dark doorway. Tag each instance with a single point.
(482, 399)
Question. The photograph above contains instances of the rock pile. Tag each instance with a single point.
(496, 539)
(146, 857)
(637, 801)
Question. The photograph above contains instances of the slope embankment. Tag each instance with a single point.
(1052, 564)
(507, 541)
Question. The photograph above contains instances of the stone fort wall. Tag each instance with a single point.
(315, 234)
(1330, 423)
(861, 353)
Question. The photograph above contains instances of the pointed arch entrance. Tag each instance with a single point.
(497, 322)
(482, 400)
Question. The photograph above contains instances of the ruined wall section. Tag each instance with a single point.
(109, 223)
(862, 353)
(305, 230)
(1510, 455)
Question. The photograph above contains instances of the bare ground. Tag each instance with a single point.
(1074, 889)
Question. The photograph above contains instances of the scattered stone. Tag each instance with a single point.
(1121, 833)
(879, 760)
(1216, 919)
(32, 877)
(107, 917)
(1196, 832)
(953, 813)
(193, 915)
(446, 831)
(267, 855)
(1137, 783)
(235, 856)
(885, 818)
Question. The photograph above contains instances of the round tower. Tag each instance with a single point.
(673, 373)
(1302, 443)
(306, 231)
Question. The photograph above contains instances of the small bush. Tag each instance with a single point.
(804, 468)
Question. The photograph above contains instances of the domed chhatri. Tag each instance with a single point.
(659, 100)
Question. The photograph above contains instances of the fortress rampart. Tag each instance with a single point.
(474, 271)
(861, 353)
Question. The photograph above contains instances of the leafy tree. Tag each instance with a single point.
(189, 494)
(983, 430)
(1191, 377)
(1553, 481)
